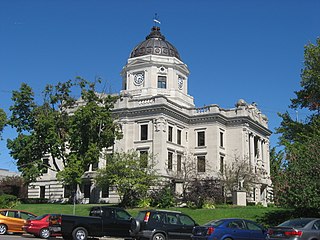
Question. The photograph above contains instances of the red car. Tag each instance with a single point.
(39, 226)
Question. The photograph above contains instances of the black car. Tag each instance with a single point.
(162, 225)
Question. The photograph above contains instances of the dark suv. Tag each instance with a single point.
(162, 225)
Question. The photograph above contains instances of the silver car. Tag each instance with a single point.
(296, 229)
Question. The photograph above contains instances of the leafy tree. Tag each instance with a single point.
(3, 121)
(301, 174)
(71, 132)
(277, 167)
(309, 95)
(240, 175)
(13, 185)
(132, 176)
(204, 191)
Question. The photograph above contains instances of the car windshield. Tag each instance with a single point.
(141, 216)
(40, 217)
(296, 223)
(214, 223)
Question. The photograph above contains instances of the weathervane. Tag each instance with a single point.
(156, 20)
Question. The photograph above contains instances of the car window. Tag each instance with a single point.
(156, 218)
(122, 215)
(141, 215)
(40, 217)
(237, 224)
(253, 226)
(186, 220)
(4, 213)
(26, 216)
(12, 214)
(172, 218)
(316, 225)
(297, 223)
(215, 223)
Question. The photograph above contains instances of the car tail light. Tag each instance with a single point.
(210, 230)
(293, 233)
(146, 217)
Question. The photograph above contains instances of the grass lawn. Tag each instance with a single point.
(201, 216)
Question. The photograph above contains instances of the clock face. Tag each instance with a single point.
(138, 78)
(180, 82)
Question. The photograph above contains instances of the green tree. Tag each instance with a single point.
(3, 121)
(132, 176)
(71, 132)
(301, 173)
(277, 167)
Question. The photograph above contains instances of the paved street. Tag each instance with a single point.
(31, 237)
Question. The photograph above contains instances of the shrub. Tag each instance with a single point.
(8, 201)
(163, 197)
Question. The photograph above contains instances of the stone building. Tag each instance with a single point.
(158, 116)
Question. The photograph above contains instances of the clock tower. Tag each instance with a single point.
(154, 68)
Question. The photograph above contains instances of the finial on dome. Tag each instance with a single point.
(156, 20)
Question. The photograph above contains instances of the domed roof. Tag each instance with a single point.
(155, 44)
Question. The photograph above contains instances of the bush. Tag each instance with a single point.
(163, 197)
(204, 193)
(8, 201)
(34, 200)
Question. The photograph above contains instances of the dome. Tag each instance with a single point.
(155, 44)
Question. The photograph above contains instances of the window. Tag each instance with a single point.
(201, 139)
(221, 139)
(144, 159)
(95, 166)
(144, 132)
(179, 136)
(237, 224)
(122, 215)
(221, 164)
(170, 156)
(87, 190)
(42, 191)
(162, 82)
(201, 163)
(45, 165)
(179, 156)
(105, 192)
(185, 220)
(170, 133)
(254, 227)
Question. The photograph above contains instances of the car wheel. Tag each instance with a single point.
(44, 233)
(135, 226)
(80, 233)
(3, 229)
(158, 236)
(227, 239)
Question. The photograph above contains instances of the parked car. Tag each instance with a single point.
(230, 229)
(39, 226)
(296, 229)
(162, 225)
(102, 221)
(12, 220)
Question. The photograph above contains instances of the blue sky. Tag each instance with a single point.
(249, 49)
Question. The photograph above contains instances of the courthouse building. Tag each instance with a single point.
(159, 117)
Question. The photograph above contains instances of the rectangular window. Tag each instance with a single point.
(201, 163)
(42, 191)
(95, 166)
(201, 138)
(87, 190)
(179, 157)
(144, 159)
(170, 133)
(221, 139)
(162, 82)
(105, 192)
(45, 165)
(221, 164)
(144, 132)
(170, 157)
(179, 136)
